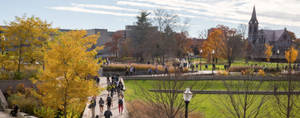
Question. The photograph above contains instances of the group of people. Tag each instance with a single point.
(130, 70)
(114, 85)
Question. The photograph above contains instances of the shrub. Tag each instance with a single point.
(138, 67)
(243, 68)
(20, 88)
(44, 112)
(223, 73)
(261, 72)
(26, 104)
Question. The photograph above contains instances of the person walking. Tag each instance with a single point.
(109, 101)
(166, 70)
(108, 113)
(101, 104)
(112, 91)
(93, 106)
(120, 105)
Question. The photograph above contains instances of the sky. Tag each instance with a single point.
(115, 14)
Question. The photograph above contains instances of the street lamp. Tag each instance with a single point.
(187, 96)
(278, 58)
(212, 66)
(200, 59)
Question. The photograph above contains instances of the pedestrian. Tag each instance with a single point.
(109, 101)
(192, 66)
(15, 110)
(120, 105)
(131, 70)
(97, 79)
(166, 70)
(107, 80)
(112, 91)
(149, 71)
(101, 104)
(93, 106)
(156, 69)
(107, 113)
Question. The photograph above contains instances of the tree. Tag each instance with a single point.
(216, 42)
(114, 44)
(287, 105)
(64, 84)
(184, 44)
(268, 51)
(140, 34)
(291, 55)
(243, 105)
(26, 35)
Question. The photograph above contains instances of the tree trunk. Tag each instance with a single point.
(20, 56)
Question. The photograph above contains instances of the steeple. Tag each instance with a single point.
(253, 27)
(253, 19)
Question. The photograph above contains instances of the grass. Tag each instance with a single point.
(206, 104)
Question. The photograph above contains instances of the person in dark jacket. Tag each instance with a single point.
(101, 104)
(15, 110)
(107, 113)
(109, 101)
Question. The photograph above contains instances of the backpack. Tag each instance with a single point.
(120, 101)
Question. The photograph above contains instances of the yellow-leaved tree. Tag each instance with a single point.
(268, 51)
(291, 55)
(65, 83)
(26, 35)
(215, 41)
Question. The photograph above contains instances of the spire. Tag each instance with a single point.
(253, 17)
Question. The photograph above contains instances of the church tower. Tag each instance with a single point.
(253, 28)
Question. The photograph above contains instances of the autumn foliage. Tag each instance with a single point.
(291, 55)
(268, 51)
(65, 83)
(215, 41)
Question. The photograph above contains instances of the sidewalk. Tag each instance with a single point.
(4, 115)
(114, 109)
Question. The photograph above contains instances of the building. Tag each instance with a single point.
(105, 36)
(257, 38)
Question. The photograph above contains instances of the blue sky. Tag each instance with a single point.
(115, 14)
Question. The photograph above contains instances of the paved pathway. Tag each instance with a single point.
(114, 109)
(4, 115)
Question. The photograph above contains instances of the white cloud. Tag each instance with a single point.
(276, 12)
(109, 7)
(78, 9)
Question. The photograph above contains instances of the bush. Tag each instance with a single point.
(223, 73)
(44, 112)
(244, 68)
(261, 72)
(20, 88)
(26, 104)
(138, 67)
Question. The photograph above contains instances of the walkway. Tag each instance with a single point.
(115, 111)
(4, 115)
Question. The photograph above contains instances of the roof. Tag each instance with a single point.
(272, 35)
(253, 17)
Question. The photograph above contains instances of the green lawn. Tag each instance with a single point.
(208, 105)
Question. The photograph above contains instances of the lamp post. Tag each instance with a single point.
(187, 96)
(212, 62)
(278, 52)
(200, 59)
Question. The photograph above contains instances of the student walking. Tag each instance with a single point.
(107, 113)
(109, 101)
(120, 105)
(101, 104)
